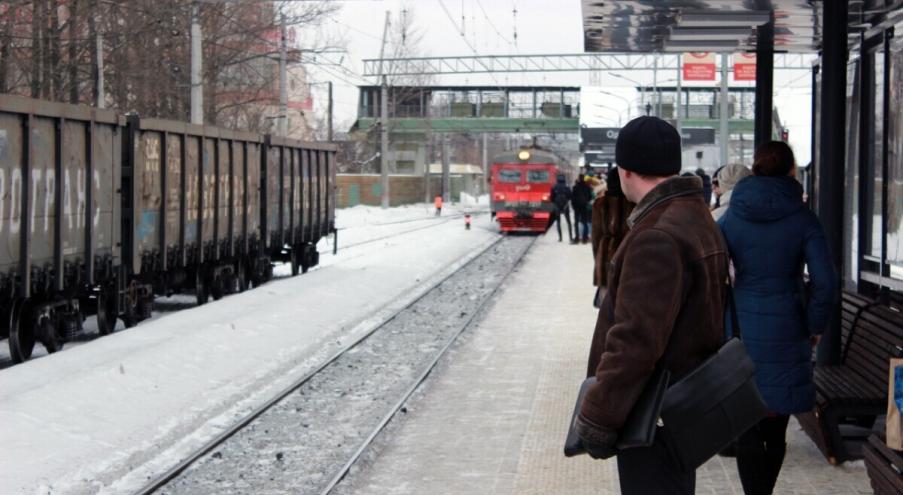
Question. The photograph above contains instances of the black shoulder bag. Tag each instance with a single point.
(713, 405)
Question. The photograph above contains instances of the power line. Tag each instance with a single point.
(491, 24)
(474, 50)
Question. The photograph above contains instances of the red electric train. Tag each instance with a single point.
(521, 183)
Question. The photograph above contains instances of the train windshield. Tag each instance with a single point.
(537, 176)
(509, 175)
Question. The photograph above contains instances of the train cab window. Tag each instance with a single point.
(508, 175)
(540, 176)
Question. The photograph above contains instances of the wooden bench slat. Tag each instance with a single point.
(867, 363)
(870, 335)
(879, 461)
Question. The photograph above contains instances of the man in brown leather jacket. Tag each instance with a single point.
(663, 307)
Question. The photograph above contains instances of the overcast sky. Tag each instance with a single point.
(542, 26)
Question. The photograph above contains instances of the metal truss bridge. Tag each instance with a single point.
(564, 62)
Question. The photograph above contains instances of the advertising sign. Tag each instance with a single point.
(744, 67)
(699, 66)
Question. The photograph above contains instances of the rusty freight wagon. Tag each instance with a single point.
(59, 220)
(192, 195)
(100, 213)
(300, 185)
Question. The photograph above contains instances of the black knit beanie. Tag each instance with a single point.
(648, 146)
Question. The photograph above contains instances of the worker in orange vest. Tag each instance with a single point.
(438, 203)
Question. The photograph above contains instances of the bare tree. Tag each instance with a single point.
(47, 50)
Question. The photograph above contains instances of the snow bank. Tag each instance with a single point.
(79, 420)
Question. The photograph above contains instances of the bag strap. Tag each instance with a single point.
(731, 303)
(732, 307)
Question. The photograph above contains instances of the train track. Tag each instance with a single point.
(307, 438)
(432, 222)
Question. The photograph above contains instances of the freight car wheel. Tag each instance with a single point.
(106, 312)
(296, 263)
(242, 276)
(21, 333)
(200, 287)
(217, 288)
(48, 335)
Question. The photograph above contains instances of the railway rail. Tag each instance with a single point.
(307, 438)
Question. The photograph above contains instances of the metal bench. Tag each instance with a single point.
(884, 465)
(851, 394)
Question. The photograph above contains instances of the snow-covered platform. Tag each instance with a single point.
(492, 418)
(105, 415)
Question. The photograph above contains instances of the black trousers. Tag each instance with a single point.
(760, 455)
(581, 217)
(650, 470)
(556, 219)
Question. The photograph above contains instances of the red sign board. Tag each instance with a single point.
(699, 66)
(306, 104)
(744, 67)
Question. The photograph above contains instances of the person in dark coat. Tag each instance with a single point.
(770, 235)
(663, 307)
(706, 186)
(610, 212)
(560, 196)
(581, 196)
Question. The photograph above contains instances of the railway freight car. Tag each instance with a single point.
(100, 213)
(59, 219)
(300, 183)
(192, 203)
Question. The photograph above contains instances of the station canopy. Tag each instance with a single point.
(711, 25)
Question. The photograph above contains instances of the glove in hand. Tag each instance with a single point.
(598, 440)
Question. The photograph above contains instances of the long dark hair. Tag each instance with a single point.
(613, 182)
(773, 159)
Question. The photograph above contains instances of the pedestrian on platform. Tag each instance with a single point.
(716, 192)
(770, 234)
(706, 186)
(561, 196)
(610, 212)
(581, 197)
(437, 202)
(663, 306)
(723, 185)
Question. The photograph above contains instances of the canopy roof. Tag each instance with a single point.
(715, 25)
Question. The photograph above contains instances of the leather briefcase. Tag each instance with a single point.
(709, 408)
(639, 429)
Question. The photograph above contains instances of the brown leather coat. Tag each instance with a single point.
(665, 300)
(609, 227)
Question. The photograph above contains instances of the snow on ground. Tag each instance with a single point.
(81, 420)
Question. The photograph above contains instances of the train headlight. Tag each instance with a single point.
(523, 155)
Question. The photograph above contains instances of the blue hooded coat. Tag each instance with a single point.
(770, 235)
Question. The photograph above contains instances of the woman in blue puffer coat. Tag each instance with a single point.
(771, 235)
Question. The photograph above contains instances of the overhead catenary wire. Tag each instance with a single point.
(469, 45)
(492, 24)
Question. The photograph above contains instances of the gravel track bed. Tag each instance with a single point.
(302, 442)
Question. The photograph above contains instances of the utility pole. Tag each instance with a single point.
(677, 116)
(197, 84)
(446, 169)
(655, 86)
(430, 140)
(485, 162)
(282, 127)
(329, 114)
(384, 122)
(99, 96)
(724, 132)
